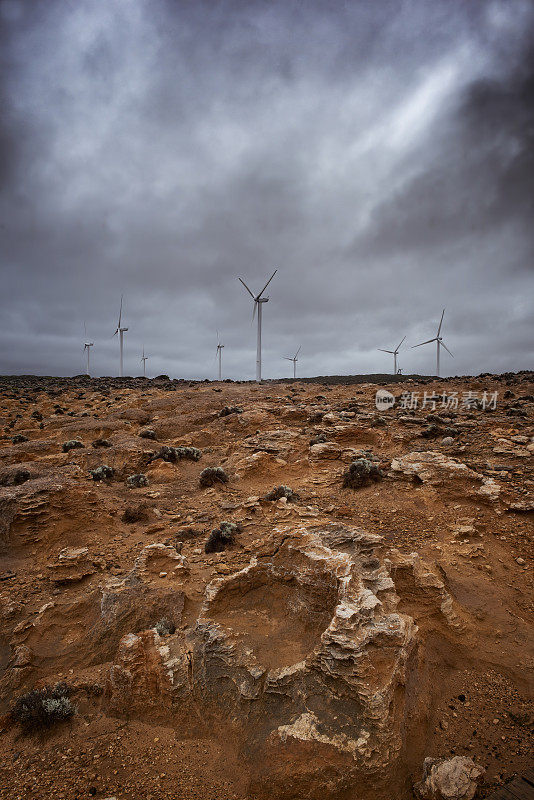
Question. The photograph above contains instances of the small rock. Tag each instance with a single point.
(449, 779)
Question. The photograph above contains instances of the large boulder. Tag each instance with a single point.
(300, 661)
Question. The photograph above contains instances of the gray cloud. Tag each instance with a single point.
(378, 154)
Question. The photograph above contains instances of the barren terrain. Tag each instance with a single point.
(336, 639)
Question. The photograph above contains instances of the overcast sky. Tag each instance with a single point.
(379, 153)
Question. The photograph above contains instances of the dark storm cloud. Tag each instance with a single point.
(380, 154)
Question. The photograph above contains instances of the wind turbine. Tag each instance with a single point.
(258, 301)
(394, 353)
(87, 346)
(144, 359)
(439, 343)
(218, 354)
(294, 360)
(120, 331)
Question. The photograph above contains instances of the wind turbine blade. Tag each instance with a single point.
(246, 287)
(440, 322)
(446, 348)
(286, 358)
(399, 344)
(384, 351)
(120, 315)
(427, 342)
(298, 351)
(254, 312)
(268, 282)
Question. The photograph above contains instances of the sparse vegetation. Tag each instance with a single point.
(173, 454)
(212, 475)
(19, 438)
(227, 410)
(282, 491)
(361, 473)
(42, 708)
(72, 444)
(138, 513)
(136, 481)
(102, 473)
(221, 537)
(164, 627)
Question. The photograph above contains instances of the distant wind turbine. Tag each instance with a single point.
(439, 343)
(144, 359)
(87, 347)
(394, 353)
(294, 360)
(218, 354)
(258, 301)
(120, 331)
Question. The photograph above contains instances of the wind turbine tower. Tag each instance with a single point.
(258, 302)
(143, 360)
(394, 353)
(218, 355)
(87, 347)
(439, 343)
(121, 332)
(294, 360)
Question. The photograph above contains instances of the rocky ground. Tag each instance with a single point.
(331, 638)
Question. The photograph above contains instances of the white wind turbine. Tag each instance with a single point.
(258, 300)
(294, 360)
(87, 347)
(144, 360)
(218, 355)
(394, 353)
(120, 331)
(439, 343)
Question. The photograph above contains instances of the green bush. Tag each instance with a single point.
(136, 481)
(72, 444)
(102, 473)
(361, 473)
(212, 475)
(165, 627)
(42, 708)
(220, 537)
(173, 454)
(282, 491)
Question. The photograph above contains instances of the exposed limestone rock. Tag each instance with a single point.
(449, 779)
(430, 467)
(72, 565)
(277, 442)
(437, 469)
(301, 657)
(428, 582)
(521, 507)
(490, 489)
(133, 603)
(325, 450)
